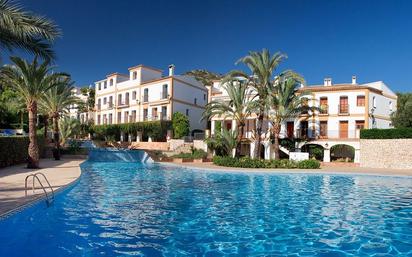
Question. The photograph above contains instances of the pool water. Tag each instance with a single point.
(130, 209)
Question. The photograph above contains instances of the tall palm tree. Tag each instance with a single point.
(30, 80)
(56, 102)
(262, 65)
(238, 108)
(23, 30)
(284, 102)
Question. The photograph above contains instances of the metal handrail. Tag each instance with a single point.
(35, 175)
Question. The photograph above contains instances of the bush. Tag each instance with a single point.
(309, 164)
(13, 149)
(155, 129)
(256, 163)
(195, 154)
(386, 133)
(180, 124)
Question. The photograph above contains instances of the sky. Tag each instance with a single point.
(337, 39)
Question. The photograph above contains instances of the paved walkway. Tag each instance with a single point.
(59, 173)
(343, 170)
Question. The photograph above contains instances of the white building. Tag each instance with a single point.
(145, 95)
(74, 111)
(344, 110)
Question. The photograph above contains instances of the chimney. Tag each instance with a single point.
(354, 80)
(171, 69)
(327, 82)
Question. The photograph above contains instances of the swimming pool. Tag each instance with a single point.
(130, 209)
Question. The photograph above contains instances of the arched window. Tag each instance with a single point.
(111, 82)
(134, 75)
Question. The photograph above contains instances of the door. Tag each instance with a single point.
(343, 129)
(289, 128)
(343, 105)
(303, 129)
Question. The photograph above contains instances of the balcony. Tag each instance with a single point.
(123, 104)
(98, 107)
(324, 109)
(110, 106)
(343, 109)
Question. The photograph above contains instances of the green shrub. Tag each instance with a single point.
(256, 163)
(386, 133)
(180, 124)
(155, 129)
(13, 150)
(309, 164)
(195, 154)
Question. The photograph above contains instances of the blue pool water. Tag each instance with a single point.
(129, 209)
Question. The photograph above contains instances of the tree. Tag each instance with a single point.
(180, 125)
(262, 65)
(223, 142)
(68, 127)
(30, 81)
(55, 102)
(284, 102)
(203, 76)
(23, 30)
(238, 108)
(402, 118)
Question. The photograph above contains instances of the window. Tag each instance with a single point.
(105, 100)
(126, 117)
(360, 100)
(110, 101)
(204, 97)
(164, 91)
(146, 95)
(187, 112)
(119, 99)
(343, 105)
(374, 102)
(111, 82)
(134, 75)
(119, 117)
(105, 85)
(323, 131)
(154, 113)
(104, 119)
(145, 114)
(360, 124)
(110, 118)
(134, 95)
(164, 112)
(99, 103)
(127, 98)
(99, 85)
(195, 100)
(133, 116)
(323, 105)
(98, 119)
(305, 105)
(390, 106)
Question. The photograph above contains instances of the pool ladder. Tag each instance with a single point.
(49, 197)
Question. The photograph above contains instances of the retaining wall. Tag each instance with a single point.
(386, 153)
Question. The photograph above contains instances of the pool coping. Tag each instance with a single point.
(38, 198)
(322, 171)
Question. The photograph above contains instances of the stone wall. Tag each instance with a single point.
(176, 143)
(386, 153)
(200, 144)
(162, 146)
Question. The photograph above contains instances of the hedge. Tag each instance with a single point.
(386, 133)
(155, 129)
(13, 149)
(256, 163)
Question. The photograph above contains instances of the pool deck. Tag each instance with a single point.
(12, 192)
(325, 170)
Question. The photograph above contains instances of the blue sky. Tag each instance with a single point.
(369, 39)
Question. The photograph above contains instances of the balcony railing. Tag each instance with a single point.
(110, 105)
(324, 109)
(123, 104)
(164, 95)
(343, 109)
(98, 107)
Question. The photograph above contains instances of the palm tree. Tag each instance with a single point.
(238, 108)
(284, 102)
(262, 65)
(68, 127)
(56, 102)
(23, 30)
(30, 80)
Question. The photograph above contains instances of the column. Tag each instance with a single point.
(212, 129)
(267, 147)
(326, 155)
(138, 136)
(252, 149)
(121, 136)
(357, 156)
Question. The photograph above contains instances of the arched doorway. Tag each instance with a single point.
(315, 151)
(342, 153)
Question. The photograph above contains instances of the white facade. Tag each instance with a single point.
(145, 95)
(74, 112)
(344, 110)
